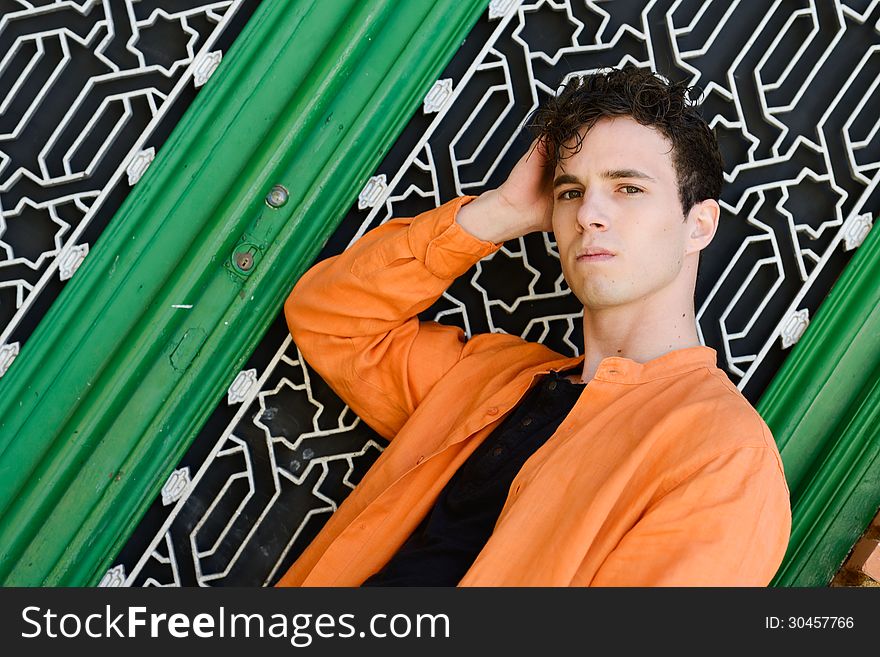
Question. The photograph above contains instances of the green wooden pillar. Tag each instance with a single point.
(823, 407)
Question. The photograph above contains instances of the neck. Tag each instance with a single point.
(638, 331)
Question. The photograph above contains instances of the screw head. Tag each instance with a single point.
(244, 260)
(277, 196)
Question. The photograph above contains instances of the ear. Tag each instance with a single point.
(702, 222)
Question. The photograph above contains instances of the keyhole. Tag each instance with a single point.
(244, 260)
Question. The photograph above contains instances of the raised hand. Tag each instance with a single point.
(522, 204)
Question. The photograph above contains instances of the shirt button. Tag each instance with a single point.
(527, 421)
(498, 451)
(552, 385)
(492, 410)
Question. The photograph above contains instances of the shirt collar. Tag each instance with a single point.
(616, 369)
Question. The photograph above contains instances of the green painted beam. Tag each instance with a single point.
(823, 407)
(114, 384)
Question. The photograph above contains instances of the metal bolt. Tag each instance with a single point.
(244, 260)
(277, 196)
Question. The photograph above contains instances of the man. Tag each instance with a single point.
(638, 463)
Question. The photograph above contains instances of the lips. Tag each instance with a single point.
(594, 254)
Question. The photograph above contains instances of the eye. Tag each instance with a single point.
(631, 190)
(569, 195)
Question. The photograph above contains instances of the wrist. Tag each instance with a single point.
(491, 219)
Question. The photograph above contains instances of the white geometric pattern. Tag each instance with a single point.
(206, 66)
(856, 230)
(794, 326)
(114, 577)
(373, 192)
(175, 487)
(70, 260)
(239, 388)
(244, 482)
(499, 8)
(139, 164)
(8, 352)
(438, 96)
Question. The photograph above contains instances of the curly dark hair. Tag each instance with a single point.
(670, 107)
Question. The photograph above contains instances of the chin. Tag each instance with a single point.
(601, 299)
(593, 288)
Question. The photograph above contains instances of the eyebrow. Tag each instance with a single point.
(612, 174)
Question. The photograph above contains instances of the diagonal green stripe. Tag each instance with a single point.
(823, 407)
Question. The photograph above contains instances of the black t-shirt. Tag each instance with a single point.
(444, 546)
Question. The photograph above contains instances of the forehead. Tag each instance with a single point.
(621, 143)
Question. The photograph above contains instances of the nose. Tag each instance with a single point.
(591, 213)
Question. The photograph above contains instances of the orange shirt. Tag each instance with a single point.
(662, 474)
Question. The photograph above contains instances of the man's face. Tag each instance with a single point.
(619, 193)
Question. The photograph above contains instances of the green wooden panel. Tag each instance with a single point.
(823, 407)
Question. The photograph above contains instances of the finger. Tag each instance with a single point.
(543, 148)
(536, 150)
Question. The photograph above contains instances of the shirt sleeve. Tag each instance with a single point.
(354, 316)
(727, 524)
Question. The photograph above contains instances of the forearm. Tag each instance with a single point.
(490, 218)
(388, 276)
